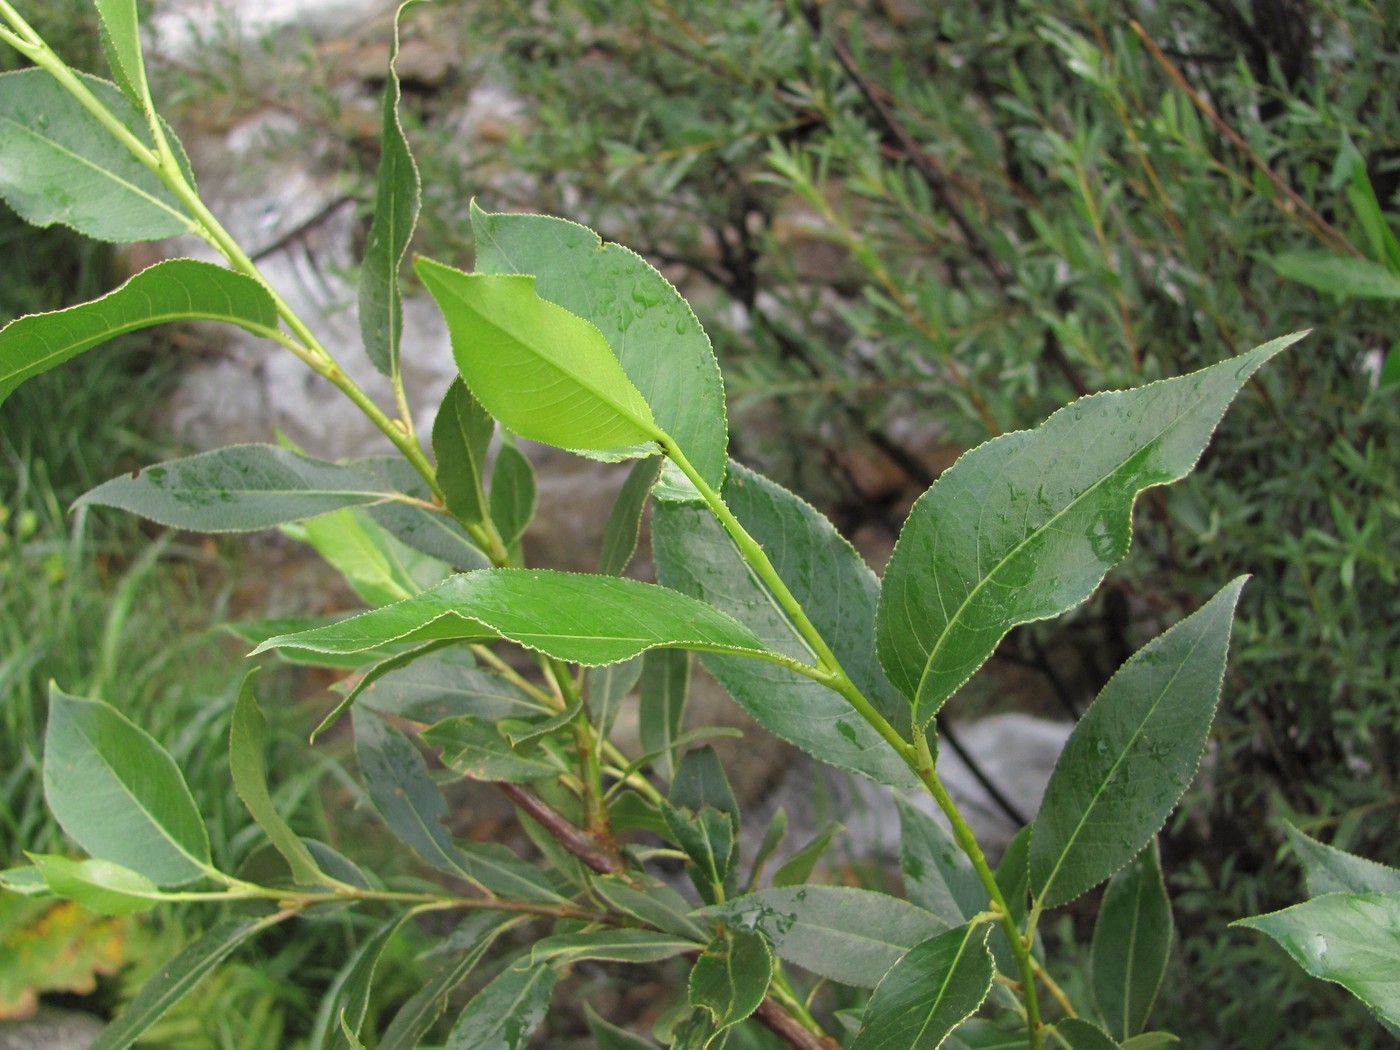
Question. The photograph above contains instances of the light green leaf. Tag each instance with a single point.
(62, 166)
(938, 876)
(1132, 755)
(247, 762)
(798, 868)
(513, 493)
(98, 885)
(119, 794)
(650, 900)
(929, 992)
(848, 935)
(731, 977)
(1330, 870)
(541, 371)
(1132, 942)
(174, 290)
(1078, 1034)
(695, 555)
(1351, 939)
(395, 214)
(479, 749)
(623, 945)
(644, 320)
(1338, 275)
(239, 488)
(462, 433)
(121, 39)
(582, 619)
(505, 1014)
(378, 568)
(661, 703)
(26, 880)
(1024, 527)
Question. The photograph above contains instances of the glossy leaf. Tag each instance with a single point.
(695, 555)
(505, 1013)
(611, 945)
(62, 166)
(798, 868)
(1078, 1034)
(239, 488)
(582, 619)
(937, 875)
(543, 372)
(1132, 943)
(1339, 275)
(661, 706)
(1330, 870)
(395, 214)
(462, 433)
(624, 525)
(643, 319)
(175, 290)
(731, 977)
(1351, 939)
(378, 568)
(1132, 755)
(848, 935)
(1024, 527)
(650, 900)
(513, 493)
(119, 794)
(121, 39)
(248, 765)
(928, 992)
(479, 749)
(98, 885)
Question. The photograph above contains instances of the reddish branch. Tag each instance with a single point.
(573, 839)
(790, 1030)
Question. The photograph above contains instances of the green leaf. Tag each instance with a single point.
(121, 39)
(169, 984)
(609, 1036)
(462, 433)
(773, 837)
(1132, 755)
(1362, 196)
(378, 568)
(798, 868)
(604, 689)
(695, 555)
(1351, 939)
(479, 749)
(1330, 870)
(731, 977)
(445, 684)
(119, 794)
(175, 290)
(1132, 943)
(513, 493)
(1024, 527)
(98, 885)
(254, 632)
(1338, 275)
(848, 935)
(505, 1013)
(247, 748)
(581, 619)
(929, 992)
(624, 946)
(349, 993)
(420, 525)
(1078, 1034)
(701, 781)
(366, 679)
(665, 683)
(240, 488)
(937, 875)
(644, 320)
(395, 214)
(540, 370)
(63, 166)
(624, 526)
(650, 900)
(501, 872)
(706, 836)
(1151, 1041)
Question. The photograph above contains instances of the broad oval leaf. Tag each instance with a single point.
(1132, 943)
(1024, 527)
(928, 992)
(648, 325)
(505, 1014)
(582, 619)
(240, 488)
(98, 885)
(1330, 870)
(174, 290)
(119, 794)
(731, 977)
(543, 372)
(848, 935)
(62, 166)
(1132, 755)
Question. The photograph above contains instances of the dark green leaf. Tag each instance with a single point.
(609, 1036)
(980, 1034)
(505, 1013)
(1362, 196)
(1078, 1034)
(848, 935)
(650, 900)
(937, 875)
(1132, 942)
(625, 946)
(98, 885)
(604, 688)
(730, 979)
(773, 837)
(798, 868)
(1151, 1041)
(349, 993)
(643, 319)
(1024, 527)
(1330, 870)
(445, 684)
(701, 781)
(420, 525)
(479, 749)
(695, 555)
(1339, 275)
(240, 488)
(707, 837)
(665, 684)
(254, 632)
(929, 992)
(1132, 755)
(175, 290)
(501, 872)
(367, 678)
(513, 494)
(462, 433)
(119, 794)
(624, 527)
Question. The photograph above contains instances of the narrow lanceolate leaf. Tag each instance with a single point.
(63, 166)
(121, 39)
(420, 525)
(543, 372)
(624, 525)
(98, 885)
(1338, 274)
(478, 748)
(645, 321)
(1132, 942)
(582, 619)
(650, 900)
(1330, 870)
(849, 935)
(240, 488)
(929, 992)
(169, 984)
(445, 684)
(513, 493)
(395, 214)
(798, 868)
(247, 748)
(1351, 939)
(119, 794)
(462, 433)
(1079, 1034)
(937, 875)
(505, 1014)
(695, 555)
(1024, 527)
(1132, 755)
(665, 683)
(731, 976)
(350, 992)
(625, 946)
(175, 290)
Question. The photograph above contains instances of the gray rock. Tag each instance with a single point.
(51, 1029)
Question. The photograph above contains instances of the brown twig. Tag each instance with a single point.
(566, 834)
(789, 1029)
